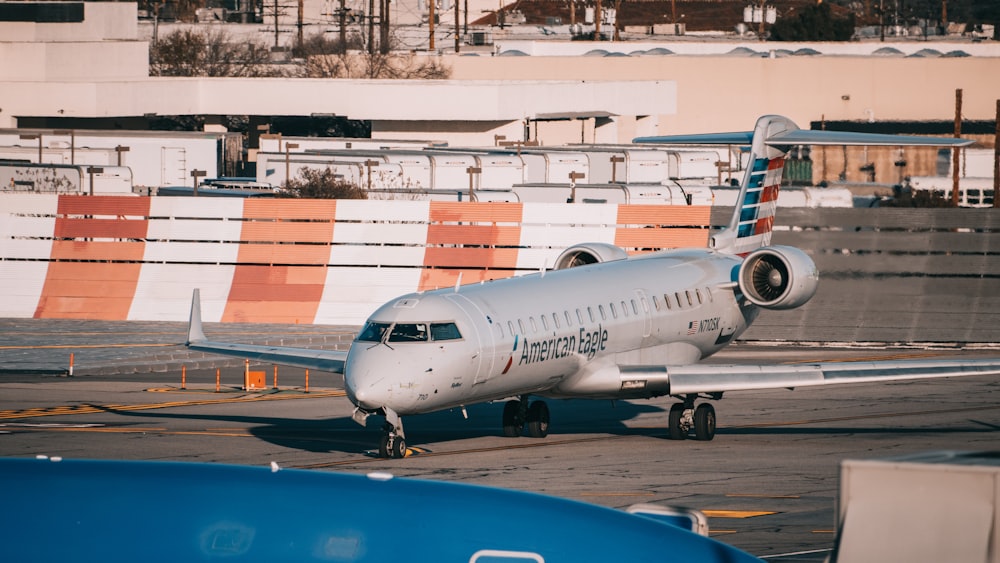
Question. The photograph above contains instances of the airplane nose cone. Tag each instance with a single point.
(359, 385)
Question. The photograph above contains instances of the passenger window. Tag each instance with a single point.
(545, 323)
(449, 331)
(708, 291)
(666, 301)
(656, 302)
(373, 332)
(688, 294)
(520, 325)
(534, 327)
(555, 319)
(600, 309)
(645, 305)
(579, 316)
(624, 309)
(697, 292)
(678, 297)
(590, 312)
(408, 332)
(569, 319)
(614, 311)
(510, 328)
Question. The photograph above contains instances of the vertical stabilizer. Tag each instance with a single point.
(773, 136)
(753, 217)
(195, 331)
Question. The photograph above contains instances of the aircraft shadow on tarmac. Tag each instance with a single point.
(342, 434)
(569, 418)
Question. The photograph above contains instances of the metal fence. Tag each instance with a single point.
(892, 275)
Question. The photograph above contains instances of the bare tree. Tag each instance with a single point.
(329, 59)
(392, 65)
(321, 184)
(209, 53)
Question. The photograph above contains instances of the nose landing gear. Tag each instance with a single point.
(393, 442)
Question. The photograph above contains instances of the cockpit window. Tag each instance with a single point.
(408, 332)
(445, 331)
(373, 332)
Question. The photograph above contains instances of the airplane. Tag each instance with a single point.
(103, 510)
(603, 324)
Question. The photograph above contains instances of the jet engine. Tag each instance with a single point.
(589, 253)
(778, 277)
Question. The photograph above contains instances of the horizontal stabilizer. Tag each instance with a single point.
(807, 137)
(738, 138)
(810, 137)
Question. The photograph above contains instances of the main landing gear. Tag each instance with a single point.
(519, 413)
(393, 442)
(684, 417)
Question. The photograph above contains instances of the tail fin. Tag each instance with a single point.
(753, 218)
(195, 331)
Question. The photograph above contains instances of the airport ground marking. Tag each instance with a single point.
(87, 346)
(739, 514)
(94, 409)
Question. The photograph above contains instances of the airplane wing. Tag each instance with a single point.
(806, 137)
(322, 360)
(709, 378)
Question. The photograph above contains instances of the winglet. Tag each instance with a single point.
(195, 332)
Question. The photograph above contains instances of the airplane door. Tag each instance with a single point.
(481, 324)
(647, 316)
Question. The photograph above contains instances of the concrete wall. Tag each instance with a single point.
(720, 92)
(104, 45)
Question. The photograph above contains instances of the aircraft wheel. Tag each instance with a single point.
(384, 446)
(512, 425)
(704, 422)
(677, 432)
(538, 419)
(398, 447)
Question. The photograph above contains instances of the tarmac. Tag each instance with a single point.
(769, 482)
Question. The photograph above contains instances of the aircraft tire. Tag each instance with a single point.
(538, 419)
(512, 427)
(383, 447)
(398, 447)
(674, 422)
(704, 422)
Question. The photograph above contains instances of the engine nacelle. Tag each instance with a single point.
(589, 253)
(778, 277)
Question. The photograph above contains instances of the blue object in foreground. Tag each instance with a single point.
(58, 510)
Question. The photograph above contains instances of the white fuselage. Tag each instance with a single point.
(552, 334)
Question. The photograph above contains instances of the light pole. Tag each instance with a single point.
(472, 171)
(195, 174)
(120, 149)
(288, 147)
(91, 170)
(614, 167)
(370, 164)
